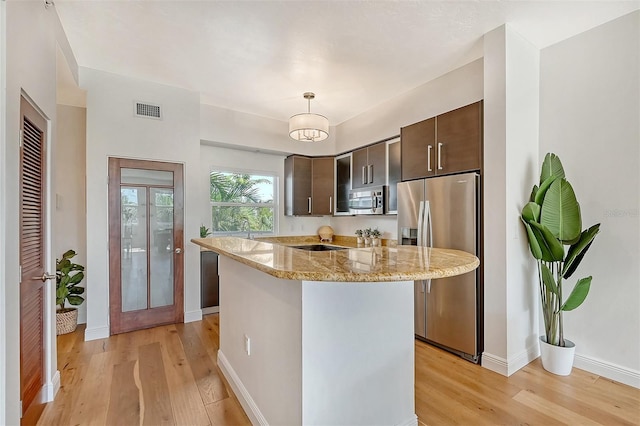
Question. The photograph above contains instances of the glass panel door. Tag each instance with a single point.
(145, 241)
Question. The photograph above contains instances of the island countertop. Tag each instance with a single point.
(354, 264)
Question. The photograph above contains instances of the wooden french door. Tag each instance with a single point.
(146, 267)
(33, 129)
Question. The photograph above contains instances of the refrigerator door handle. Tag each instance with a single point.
(429, 286)
(420, 224)
(428, 242)
(423, 286)
(425, 220)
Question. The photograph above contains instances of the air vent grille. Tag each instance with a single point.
(147, 110)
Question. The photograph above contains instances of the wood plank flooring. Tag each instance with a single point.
(169, 375)
(161, 376)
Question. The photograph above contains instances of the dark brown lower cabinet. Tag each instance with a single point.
(209, 280)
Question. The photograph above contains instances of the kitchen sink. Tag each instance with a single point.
(318, 247)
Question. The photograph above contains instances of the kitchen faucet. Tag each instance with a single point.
(245, 221)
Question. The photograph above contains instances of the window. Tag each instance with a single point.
(242, 201)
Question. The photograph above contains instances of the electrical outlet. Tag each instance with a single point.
(247, 344)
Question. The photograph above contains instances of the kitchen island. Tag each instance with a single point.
(323, 337)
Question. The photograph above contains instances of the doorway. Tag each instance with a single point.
(146, 266)
(33, 274)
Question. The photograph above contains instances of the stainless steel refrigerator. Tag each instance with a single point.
(444, 212)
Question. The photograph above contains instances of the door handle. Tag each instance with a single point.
(309, 204)
(423, 289)
(364, 175)
(370, 173)
(330, 204)
(178, 250)
(440, 145)
(429, 148)
(45, 276)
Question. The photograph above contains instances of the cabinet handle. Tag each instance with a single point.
(370, 173)
(439, 156)
(364, 175)
(429, 148)
(330, 204)
(309, 204)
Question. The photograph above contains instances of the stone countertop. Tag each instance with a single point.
(355, 264)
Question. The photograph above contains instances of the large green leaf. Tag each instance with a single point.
(534, 245)
(76, 278)
(542, 191)
(548, 280)
(534, 191)
(552, 249)
(531, 212)
(75, 300)
(578, 250)
(561, 211)
(578, 294)
(551, 166)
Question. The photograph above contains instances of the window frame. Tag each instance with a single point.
(274, 205)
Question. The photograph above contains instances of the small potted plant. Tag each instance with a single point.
(68, 277)
(359, 238)
(375, 237)
(204, 231)
(367, 236)
(553, 223)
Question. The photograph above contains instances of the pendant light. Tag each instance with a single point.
(308, 127)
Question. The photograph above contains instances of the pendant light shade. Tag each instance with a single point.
(308, 127)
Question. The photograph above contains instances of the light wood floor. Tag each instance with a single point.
(169, 375)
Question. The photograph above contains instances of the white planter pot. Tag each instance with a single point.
(557, 359)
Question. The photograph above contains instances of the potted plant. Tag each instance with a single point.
(359, 239)
(68, 276)
(367, 236)
(204, 231)
(553, 223)
(375, 237)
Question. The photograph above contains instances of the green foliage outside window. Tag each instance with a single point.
(239, 200)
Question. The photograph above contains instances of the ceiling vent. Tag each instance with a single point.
(147, 110)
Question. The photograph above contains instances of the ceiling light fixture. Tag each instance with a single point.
(308, 127)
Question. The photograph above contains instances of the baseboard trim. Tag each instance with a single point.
(413, 421)
(608, 370)
(210, 310)
(494, 363)
(508, 367)
(51, 388)
(96, 333)
(247, 402)
(522, 359)
(192, 316)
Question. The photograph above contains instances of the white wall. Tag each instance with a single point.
(219, 125)
(511, 84)
(112, 130)
(590, 117)
(69, 189)
(457, 88)
(30, 49)
(3, 218)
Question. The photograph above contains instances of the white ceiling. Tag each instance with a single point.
(260, 56)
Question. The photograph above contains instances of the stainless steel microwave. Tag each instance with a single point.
(367, 200)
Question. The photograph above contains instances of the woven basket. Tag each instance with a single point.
(66, 320)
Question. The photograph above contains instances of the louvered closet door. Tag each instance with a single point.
(32, 208)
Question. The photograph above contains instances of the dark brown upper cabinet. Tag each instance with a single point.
(308, 186)
(445, 144)
(322, 176)
(369, 166)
